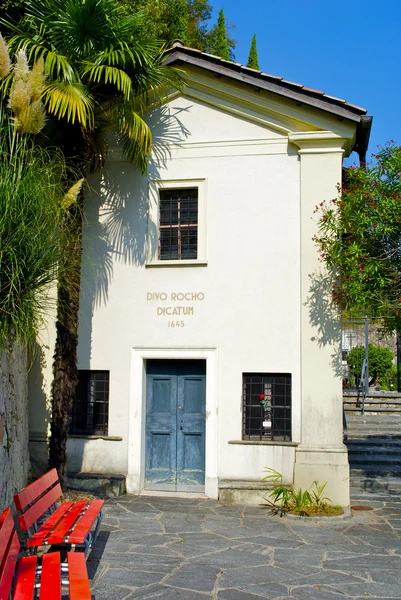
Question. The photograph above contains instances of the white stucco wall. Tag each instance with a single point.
(251, 308)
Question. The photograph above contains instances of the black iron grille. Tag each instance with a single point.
(90, 408)
(267, 407)
(178, 235)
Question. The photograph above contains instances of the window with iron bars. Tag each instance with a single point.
(178, 224)
(266, 406)
(90, 408)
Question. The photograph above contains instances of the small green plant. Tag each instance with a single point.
(317, 494)
(284, 498)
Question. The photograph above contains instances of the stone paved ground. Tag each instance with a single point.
(171, 549)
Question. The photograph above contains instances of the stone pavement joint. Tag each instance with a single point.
(156, 548)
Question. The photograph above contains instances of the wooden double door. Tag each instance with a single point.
(175, 425)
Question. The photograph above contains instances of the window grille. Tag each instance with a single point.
(178, 233)
(90, 408)
(266, 407)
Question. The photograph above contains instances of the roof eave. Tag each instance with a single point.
(265, 82)
(179, 54)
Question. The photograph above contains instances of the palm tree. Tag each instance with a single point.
(100, 72)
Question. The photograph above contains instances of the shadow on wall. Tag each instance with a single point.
(39, 411)
(325, 316)
(117, 227)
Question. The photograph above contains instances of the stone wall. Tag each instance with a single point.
(14, 455)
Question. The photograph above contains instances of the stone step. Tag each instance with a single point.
(371, 400)
(374, 418)
(375, 490)
(109, 485)
(373, 485)
(359, 437)
(375, 438)
(375, 471)
(375, 429)
(374, 459)
(232, 491)
(364, 447)
(374, 456)
(394, 405)
(374, 410)
(372, 443)
(365, 497)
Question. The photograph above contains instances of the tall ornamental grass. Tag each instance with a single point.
(31, 240)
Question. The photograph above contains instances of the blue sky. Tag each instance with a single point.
(348, 49)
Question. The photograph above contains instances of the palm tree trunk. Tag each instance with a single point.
(65, 371)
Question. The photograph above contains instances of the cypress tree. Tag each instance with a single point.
(253, 61)
(178, 21)
(220, 46)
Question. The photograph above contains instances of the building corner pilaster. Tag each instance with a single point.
(321, 455)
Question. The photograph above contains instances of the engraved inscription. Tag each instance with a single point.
(173, 304)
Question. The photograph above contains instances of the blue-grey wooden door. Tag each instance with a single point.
(175, 425)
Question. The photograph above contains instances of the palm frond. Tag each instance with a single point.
(69, 101)
(135, 137)
(111, 56)
(140, 54)
(57, 66)
(108, 75)
(154, 86)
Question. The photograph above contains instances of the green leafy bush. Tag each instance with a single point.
(380, 362)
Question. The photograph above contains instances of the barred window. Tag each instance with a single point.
(90, 408)
(266, 407)
(178, 224)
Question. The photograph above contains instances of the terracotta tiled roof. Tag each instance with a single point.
(239, 69)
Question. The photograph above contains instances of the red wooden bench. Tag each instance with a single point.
(67, 525)
(20, 578)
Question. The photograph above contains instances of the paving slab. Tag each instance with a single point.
(156, 548)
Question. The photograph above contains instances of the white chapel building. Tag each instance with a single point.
(209, 349)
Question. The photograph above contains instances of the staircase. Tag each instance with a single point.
(374, 447)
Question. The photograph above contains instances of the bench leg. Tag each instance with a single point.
(99, 521)
(91, 539)
(88, 544)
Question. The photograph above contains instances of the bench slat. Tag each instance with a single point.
(6, 532)
(39, 538)
(25, 581)
(77, 574)
(50, 583)
(85, 523)
(59, 534)
(35, 489)
(34, 513)
(9, 549)
(8, 566)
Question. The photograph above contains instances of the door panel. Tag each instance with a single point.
(161, 429)
(175, 425)
(160, 455)
(191, 432)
